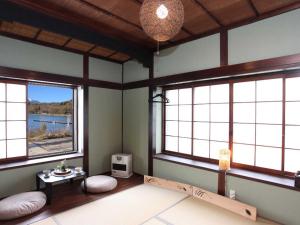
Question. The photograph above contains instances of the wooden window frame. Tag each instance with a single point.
(231, 82)
(74, 121)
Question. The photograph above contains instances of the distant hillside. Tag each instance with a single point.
(61, 108)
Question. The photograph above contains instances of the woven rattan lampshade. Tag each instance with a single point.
(162, 19)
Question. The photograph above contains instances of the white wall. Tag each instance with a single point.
(105, 70)
(135, 117)
(25, 55)
(135, 71)
(200, 54)
(269, 38)
(23, 179)
(105, 128)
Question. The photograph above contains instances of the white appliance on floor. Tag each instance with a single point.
(121, 165)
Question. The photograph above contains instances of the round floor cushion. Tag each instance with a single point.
(22, 204)
(100, 183)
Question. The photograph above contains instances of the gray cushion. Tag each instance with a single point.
(22, 204)
(100, 183)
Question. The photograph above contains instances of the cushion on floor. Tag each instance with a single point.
(22, 204)
(100, 183)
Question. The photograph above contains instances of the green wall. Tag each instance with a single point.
(135, 119)
(105, 128)
(23, 179)
(201, 178)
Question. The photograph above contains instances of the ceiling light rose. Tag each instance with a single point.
(162, 19)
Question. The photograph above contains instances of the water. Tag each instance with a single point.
(51, 126)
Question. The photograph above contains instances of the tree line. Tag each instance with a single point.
(61, 108)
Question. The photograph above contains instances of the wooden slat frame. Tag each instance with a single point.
(234, 206)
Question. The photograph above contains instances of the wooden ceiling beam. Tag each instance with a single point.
(37, 34)
(209, 13)
(15, 11)
(252, 6)
(92, 48)
(67, 42)
(108, 13)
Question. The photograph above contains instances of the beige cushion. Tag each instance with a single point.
(22, 204)
(100, 183)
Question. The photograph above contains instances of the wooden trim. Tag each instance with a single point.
(21, 74)
(213, 17)
(104, 84)
(222, 183)
(40, 76)
(37, 34)
(108, 13)
(151, 128)
(122, 117)
(262, 16)
(224, 48)
(69, 25)
(278, 63)
(252, 6)
(86, 116)
(38, 161)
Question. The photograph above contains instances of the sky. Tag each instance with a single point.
(43, 93)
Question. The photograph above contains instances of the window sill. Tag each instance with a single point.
(31, 162)
(283, 182)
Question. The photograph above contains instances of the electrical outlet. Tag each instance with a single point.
(232, 194)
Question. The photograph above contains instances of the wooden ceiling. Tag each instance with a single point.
(120, 18)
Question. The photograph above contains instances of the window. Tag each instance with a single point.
(257, 119)
(36, 120)
(12, 120)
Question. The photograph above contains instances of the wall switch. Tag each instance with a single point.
(232, 194)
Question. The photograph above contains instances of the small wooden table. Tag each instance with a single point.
(49, 181)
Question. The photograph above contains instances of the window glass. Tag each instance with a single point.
(219, 93)
(265, 90)
(269, 112)
(50, 119)
(16, 148)
(244, 133)
(244, 92)
(291, 160)
(171, 144)
(268, 157)
(172, 95)
(201, 148)
(258, 112)
(185, 145)
(201, 130)
(185, 129)
(243, 154)
(201, 113)
(16, 93)
(185, 96)
(292, 89)
(201, 95)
